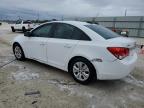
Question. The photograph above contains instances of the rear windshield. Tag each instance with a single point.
(102, 31)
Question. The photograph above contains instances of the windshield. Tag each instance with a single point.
(102, 31)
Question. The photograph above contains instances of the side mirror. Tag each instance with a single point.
(27, 34)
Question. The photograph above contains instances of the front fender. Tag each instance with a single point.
(20, 40)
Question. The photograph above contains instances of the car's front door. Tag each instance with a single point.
(37, 43)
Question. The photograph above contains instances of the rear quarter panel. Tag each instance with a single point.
(92, 50)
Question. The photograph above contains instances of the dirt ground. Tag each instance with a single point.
(30, 84)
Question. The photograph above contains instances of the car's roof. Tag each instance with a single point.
(72, 22)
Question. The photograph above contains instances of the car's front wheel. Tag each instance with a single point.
(82, 70)
(18, 52)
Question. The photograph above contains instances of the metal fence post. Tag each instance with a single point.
(140, 27)
(114, 22)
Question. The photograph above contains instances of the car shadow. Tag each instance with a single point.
(50, 69)
(107, 85)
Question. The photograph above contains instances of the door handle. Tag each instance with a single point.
(67, 46)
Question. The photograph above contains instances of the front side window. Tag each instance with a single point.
(42, 31)
(66, 31)
(102, 31)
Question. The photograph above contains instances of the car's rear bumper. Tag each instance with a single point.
(116, 69)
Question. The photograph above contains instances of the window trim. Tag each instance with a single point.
(55, 26)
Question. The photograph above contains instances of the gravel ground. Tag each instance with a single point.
(30, 84)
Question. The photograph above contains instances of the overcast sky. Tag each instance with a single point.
(83, 8)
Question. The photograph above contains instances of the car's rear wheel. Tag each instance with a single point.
(13, 29)
(82, 70)
(18, 52)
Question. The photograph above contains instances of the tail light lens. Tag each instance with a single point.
(119, 52)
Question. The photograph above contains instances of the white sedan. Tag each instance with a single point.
(85, 50)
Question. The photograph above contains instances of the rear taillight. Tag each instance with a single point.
(119, 52)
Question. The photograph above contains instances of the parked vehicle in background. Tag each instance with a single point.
(21, 25)
(85, 50)
(124, 33)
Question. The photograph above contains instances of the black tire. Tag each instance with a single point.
(21, 57)
(13, 29)
(23, 29)
(92, 71)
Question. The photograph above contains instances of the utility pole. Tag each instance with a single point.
(1, 18)
(97, 15)
(125, 12)
(38, 15)
(93, 20)
(62, 18)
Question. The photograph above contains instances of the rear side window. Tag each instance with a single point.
(63, 31)
(66, 31)
(80, 35)
(102, 31)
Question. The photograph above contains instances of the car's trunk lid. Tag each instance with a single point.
(123, 42)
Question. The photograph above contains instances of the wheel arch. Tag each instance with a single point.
(17, 43)
(22, 54)
(70, 61)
